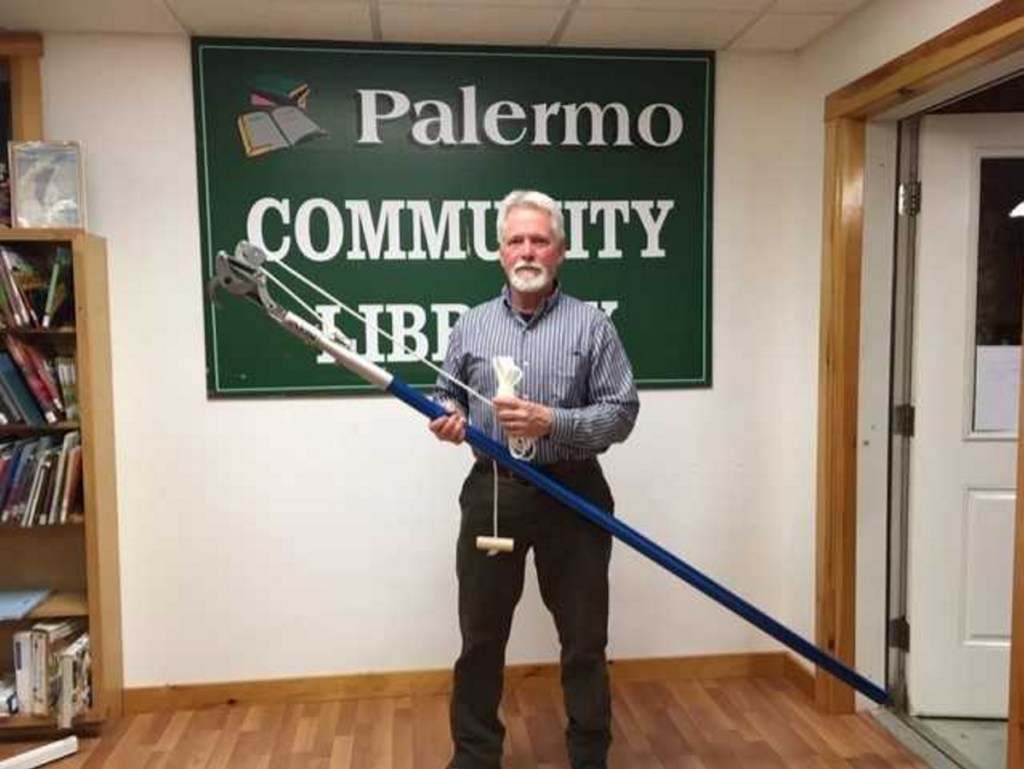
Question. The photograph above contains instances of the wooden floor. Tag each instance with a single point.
(731, 723)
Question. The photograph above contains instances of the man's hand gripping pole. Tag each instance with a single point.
(243, 274)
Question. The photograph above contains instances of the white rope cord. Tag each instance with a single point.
(295, 298)
(494, 528)
(372, 327)
(509, 375)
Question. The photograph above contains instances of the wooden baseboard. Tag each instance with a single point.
(798, 675)
(415, 683)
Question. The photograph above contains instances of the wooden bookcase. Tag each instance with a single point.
(77, 561)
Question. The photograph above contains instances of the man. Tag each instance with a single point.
(576, 397)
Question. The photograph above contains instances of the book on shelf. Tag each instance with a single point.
(6, 311)
(47, 373)
(75, 690)
(55, 493)
(71, 497)
(9, 408)
(23, 668)
(26, 360)
(15, 391)
(8, 696)
(67, 380)
(57, 289)
(267, 130)
(30, 482)
(23, 481)
(15, 314)
(14, 499)
(17, 480)
(16, 604)
(21, 283)
(36, 287)
(9, 453)
(49, 639)
(52, 673)
(41, 480)
(14, 459)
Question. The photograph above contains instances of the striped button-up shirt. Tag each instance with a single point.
(572, 361)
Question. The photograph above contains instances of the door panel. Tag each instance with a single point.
(963, 457)
(988, 532)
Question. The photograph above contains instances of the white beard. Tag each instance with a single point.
(530, 278)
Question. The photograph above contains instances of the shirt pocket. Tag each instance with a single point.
(569, 382)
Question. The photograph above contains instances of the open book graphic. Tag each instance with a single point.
(268, 130)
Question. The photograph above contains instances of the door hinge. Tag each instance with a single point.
(909, 198)
(903, 420)
(899, 634)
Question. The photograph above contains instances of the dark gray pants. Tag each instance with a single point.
(571, 555)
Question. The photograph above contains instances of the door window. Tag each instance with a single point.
(998, 302)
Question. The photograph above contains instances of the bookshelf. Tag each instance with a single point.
(76, 560)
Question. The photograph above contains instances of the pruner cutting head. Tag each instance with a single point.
(241, 273)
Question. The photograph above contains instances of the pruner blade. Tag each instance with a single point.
(241, 273)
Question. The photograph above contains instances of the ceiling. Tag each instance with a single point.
(748, 25)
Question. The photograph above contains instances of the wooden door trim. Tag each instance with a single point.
(838, 351)
(976, 41)
(981, 39)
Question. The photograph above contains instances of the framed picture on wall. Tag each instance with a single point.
(47, 184)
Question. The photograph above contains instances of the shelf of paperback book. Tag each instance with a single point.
(57, 280)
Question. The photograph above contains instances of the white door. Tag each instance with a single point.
(963, 456)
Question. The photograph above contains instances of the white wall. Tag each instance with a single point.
(326, 526)
(290, 537)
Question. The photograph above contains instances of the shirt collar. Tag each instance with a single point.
(546, 303)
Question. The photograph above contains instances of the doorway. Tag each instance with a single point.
(954, 391)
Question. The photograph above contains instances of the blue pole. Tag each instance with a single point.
(647, 547)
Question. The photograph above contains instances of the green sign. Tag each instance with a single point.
(375, 173)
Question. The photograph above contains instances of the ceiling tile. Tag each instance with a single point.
(817, 6)
(343, 22)
(276, 18)
(148, 16)
(673, 24)
(784, 31)
(471, 4)
(682, 6)
(653, 29)
(468, 24)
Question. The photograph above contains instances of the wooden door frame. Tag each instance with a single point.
(981, 39)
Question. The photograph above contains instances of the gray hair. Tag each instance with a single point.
(532, 199)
